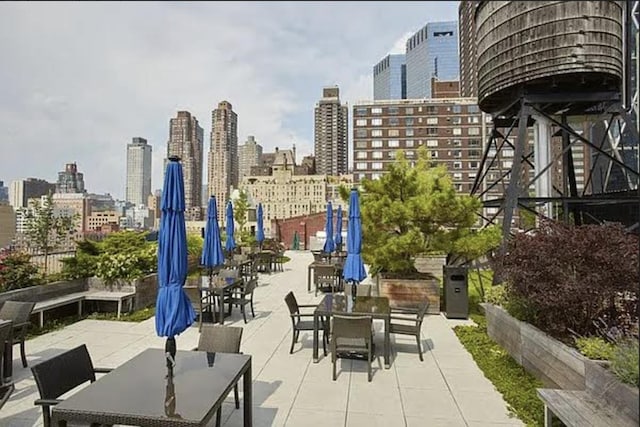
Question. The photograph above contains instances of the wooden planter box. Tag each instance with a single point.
(556, 364)
(411, 293)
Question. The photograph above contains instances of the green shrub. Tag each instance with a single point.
(497, 295)
(17, 272)
(625, 361)
(596, 348)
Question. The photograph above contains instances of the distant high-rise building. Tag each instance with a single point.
(223, 154)
(390, 78)
(186, 140)
(468, 67)
(248, 155)
(22, 190)
(4, 192)
(138, 171)
(431, 52)
(331, 133)
(444, 88)
(70, 180)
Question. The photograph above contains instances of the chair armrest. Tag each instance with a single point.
(102, 370)
(307, 305)
(305, 315)
(47, 402)
(406, 319)
(402, 310)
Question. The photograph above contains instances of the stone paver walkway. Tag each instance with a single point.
(447, 389)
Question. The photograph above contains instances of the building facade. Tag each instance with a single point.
(223, 154)
(390, 78)
(97, 220)
(4, 192)
(138, 171)
(248, 155)
(21, 191)
(186, 140)
(431, 52)
(7, 225)
(70, 180)
(331, 133)
(468, 67)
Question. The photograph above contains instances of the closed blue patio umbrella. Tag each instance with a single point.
(354, 271)
(212, 255)
(329, 245)
(338, 239)
(174, 312)
(230, 244)
(260, 227)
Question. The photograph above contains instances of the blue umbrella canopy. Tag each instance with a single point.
(212, 254)
(338, 238)
(353, 267)
(329, 245)
(260, 220)
(230, 244)
(174, 312)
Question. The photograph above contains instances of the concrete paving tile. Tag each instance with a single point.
(429, 403)
(370, 399)
(427, 376)
(356, 419)
(262, 417)
(435, 422)
(482, 406)
(322, 396)
(514, 423)
(314, 418)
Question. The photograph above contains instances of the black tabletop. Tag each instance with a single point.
(141, 388)
(341, 304)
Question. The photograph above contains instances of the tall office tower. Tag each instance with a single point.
(223, 154)
(70, 180)
(330, 133)
(248, 155)
(138, 171)
(390, 78)
(4, 192)
(431, 52)
(186, 140)
(22, 190)
(468, 67)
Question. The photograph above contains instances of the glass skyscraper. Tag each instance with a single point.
(390, 78)
(431, 52)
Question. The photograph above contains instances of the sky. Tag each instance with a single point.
(78, 80)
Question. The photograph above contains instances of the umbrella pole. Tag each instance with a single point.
(170, 352)
(354, 289)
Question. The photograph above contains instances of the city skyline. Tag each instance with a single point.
(269, 61)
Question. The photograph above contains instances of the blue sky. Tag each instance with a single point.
(79, 80)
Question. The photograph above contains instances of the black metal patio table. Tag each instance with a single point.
(312, 267)
(140, 393)
(376, 307)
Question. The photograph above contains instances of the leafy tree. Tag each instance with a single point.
(240, 209)
(16, 271)
(415, 210)
(46, 230)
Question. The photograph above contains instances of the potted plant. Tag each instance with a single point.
(414, 210)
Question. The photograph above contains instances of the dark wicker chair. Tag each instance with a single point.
(411, 323)
(61, 374)
(351, 334)
(221, 339)
(5, 389)
(303, 325)
(19, 313)
(201, 302)
(324, 276)
(243, 297)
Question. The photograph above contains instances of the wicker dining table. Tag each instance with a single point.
(141, 393)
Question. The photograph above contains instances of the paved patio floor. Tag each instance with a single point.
(447, 389)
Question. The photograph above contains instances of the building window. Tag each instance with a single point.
(376, 132)
(434, 154)
(376, 122)
(457, 176)
(409, 153)
(473, 131)
(474, 154)
(393, 110)
(507, 163)
(432, 120)
(456, 109)
(408, 110)
(457, 153)
(457, 142)
(473, 109)
(361, 122)
(376, 143)
(376, 155)
(432, 142)
(361, 111)
(393, 121)
(473, 165)
(457, 131)
(431, 109)
(361, 144)
(361, 155)
(456, 120)
(361, 176)
(361, 133)
(391, 154)
(408, 132)
(473, 120)
(375, 176)
(394, 143)
(474, 143)
(361, 165)
(376, 165)
(393, 132)
(432, 131)
(408, 121)
(376, 110)
(457, 165)
(409, 143)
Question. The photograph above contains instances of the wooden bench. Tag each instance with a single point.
(580, 408)
(79, 297)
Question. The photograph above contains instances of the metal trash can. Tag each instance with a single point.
(456, 292)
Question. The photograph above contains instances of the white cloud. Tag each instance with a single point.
(79, 80)
(400, 46)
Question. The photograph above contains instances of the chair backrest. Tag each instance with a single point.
(421, 312)
(5, 332)
(229, 273)
(220, 339)
(250, 286)
(64, 372)
(363, 290)
(351, 327)
(17, 311)
(195, 296)
(324, 274)
(292, 303)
